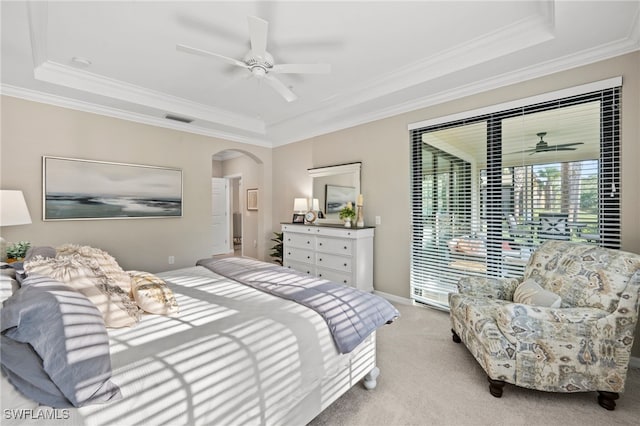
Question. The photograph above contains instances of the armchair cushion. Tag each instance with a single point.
(530, 293)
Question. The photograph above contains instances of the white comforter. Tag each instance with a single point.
(234, 355)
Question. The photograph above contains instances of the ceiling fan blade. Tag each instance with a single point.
(201, 52)
(563, 145)
(279, 87)
(258, 33)
(301, 68)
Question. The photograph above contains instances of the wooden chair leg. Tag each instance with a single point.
(455, 336)
(495, 387)
(607, 400)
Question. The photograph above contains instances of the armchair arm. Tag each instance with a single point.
(492, 288)
(525, 323)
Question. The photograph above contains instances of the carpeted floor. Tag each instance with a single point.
(426, 379)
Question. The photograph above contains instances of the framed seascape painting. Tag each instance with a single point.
(75, 189)
(337, 197)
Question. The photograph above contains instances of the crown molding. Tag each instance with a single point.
(517, 36)
(63, 75)
(60, 101)
(619, 48)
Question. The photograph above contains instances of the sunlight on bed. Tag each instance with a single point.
(233, 355)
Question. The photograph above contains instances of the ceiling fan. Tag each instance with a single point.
(260, 62)
(543, 146)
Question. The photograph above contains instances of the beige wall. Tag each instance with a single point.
(31, 130)
(383, 149)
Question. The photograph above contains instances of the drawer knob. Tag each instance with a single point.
(345, 247)
(308, 257)
(345, 265)
(320, 244)
(289, 253)
(344, 281)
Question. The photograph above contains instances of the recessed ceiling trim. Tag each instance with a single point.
(514, 37)
(38, 13)
(46, 98)
(55, 73)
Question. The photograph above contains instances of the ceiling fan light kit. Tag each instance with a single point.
(261, 63)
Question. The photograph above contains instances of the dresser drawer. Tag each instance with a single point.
(332, 261)
(299, 255)
(292, 239)
(307, 268)
(334, 245)
(335, 276)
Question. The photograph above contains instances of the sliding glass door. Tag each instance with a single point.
(487, 191)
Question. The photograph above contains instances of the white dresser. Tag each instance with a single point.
(339, 254)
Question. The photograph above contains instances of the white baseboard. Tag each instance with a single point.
(393, 298)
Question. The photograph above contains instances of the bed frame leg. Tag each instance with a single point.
(370, 380)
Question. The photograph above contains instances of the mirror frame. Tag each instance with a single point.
(340, 169)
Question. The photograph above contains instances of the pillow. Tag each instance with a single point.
(115, 274)
(43, 251)
(86, 276)
(529, 292)
(8, 286)
(152, 294)
(55, 348)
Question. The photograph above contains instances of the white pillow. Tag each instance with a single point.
(7, 286)
(107, 263)
(152, 294)
(86, 276)
(530, 293)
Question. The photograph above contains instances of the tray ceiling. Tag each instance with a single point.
(120, 58)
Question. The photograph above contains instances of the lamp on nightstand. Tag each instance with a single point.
(13, 211)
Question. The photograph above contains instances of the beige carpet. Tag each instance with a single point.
(426, 379)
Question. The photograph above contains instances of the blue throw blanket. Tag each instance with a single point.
(351, 314)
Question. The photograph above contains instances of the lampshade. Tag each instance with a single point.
(316, 205)
(300, 205)
(13, 208)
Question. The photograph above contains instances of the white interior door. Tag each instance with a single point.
(220, 215)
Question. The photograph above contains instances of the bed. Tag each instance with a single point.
(233, 355)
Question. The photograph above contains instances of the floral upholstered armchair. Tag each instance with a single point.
(567, 325)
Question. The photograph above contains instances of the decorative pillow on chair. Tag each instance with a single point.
(529, 292)
(152, 294)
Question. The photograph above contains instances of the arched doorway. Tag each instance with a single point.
(235, 224)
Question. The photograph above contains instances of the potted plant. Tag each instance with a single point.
(276, 250)
(347, 214)
(17, 251)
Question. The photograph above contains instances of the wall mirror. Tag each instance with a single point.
(333, 186)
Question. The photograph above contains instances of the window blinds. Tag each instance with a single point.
(487, 190)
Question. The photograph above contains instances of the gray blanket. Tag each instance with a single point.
(55, 347)
(351, 314)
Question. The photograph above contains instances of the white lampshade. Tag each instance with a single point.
(316, 205)
(300, 205)
(13, 208)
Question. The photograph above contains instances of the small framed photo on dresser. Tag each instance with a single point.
(298, 218)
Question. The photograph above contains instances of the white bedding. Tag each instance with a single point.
(234, 355)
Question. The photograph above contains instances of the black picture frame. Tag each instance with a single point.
(298, 218)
